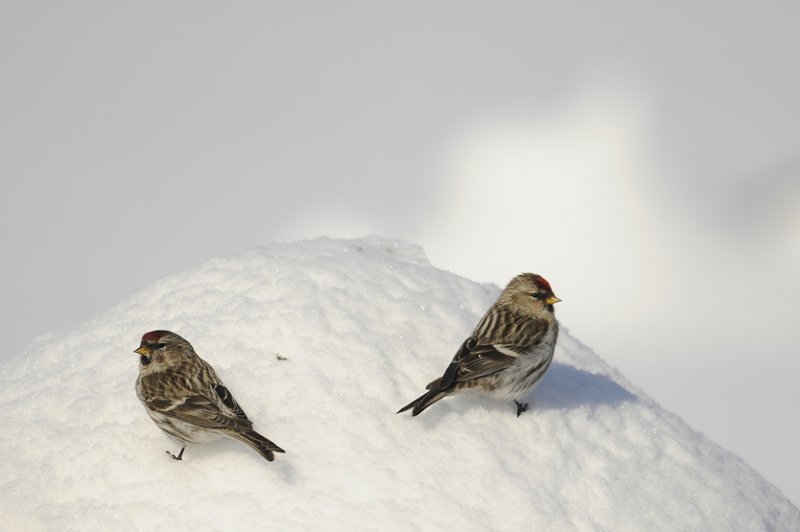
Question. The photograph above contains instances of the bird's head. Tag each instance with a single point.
(530, 292)
(161, 349)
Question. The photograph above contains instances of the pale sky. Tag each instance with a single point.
(645, 159)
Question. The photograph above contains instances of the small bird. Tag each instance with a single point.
(184, 397)
(509, 350)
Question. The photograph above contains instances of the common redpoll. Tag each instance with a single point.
(183, 395)
(509, 350)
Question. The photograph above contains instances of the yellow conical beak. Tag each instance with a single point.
(143, 350)
(552, 300)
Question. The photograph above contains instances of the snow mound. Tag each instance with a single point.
(321, 342)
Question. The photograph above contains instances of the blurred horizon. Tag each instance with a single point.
(644, 159)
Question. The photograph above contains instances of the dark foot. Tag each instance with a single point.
(180, 454)
(521, 407)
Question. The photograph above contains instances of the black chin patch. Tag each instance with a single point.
(145, 360)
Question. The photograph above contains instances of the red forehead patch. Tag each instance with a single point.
(542, 282)
(153, 336)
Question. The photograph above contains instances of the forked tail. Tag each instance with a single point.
(259, 443)
(424, 401)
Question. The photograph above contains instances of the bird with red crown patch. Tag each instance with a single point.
(186, 399)
(508, 352)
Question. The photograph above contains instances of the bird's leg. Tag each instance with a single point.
(180, 454)
(521, 407)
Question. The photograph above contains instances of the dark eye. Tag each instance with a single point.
(537, 295)
(159, 346)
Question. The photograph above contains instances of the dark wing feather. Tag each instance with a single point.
(510, 334)
(472, 361)
(482, 361)
(200, 411)
(228, 400)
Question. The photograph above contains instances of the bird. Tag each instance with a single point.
(509, 350)
(186, 399)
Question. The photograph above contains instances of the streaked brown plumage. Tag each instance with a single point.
(509, 350)
(184, 397)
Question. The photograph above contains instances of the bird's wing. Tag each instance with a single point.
(472, 361)
(227, 399)
(199, 410)
(500, 338)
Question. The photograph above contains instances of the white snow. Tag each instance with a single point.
(363, 325)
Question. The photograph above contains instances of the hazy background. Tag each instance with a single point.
(645, 159)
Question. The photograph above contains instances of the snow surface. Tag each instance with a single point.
(363, 326)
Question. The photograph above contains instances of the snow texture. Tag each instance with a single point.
(321, 342)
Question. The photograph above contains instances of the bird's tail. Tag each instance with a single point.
(258, 443)
(424, 401)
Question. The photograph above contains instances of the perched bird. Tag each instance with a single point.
(509, 350)
(183, 395)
